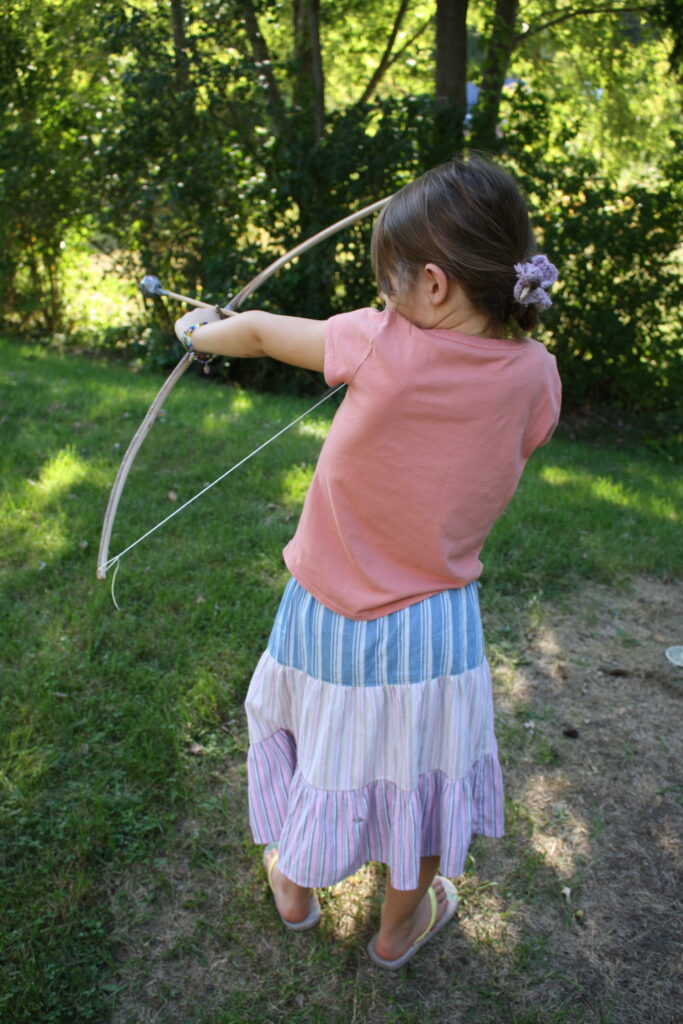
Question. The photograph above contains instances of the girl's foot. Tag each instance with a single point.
(296, 905)
(392, 945)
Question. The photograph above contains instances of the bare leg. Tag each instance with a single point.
(406, 912)
(292, 901)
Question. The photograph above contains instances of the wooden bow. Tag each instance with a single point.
(103, 560)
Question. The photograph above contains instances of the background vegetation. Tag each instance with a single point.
(199, 139)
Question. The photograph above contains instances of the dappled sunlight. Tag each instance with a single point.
(62, 471)
(213, 422)
(319, 431)
(31, 534)
(559, 835)
(612, 491)
(511, 685)
(553, 652)
(202, 700)
(241, 402)
(352, 904)
(485, 920)
(294, 483)
(36, 532)
(668, 838)
(40, 514)
(25, 762)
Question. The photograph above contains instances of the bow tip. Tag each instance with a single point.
(101, 572)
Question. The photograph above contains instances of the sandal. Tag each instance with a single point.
(430, 931)
(314, 913)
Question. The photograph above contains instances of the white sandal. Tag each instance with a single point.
(314, 913)
(430, 931)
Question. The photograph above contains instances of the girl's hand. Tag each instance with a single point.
(202, 315)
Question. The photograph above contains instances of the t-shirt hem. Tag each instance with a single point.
(378, 611)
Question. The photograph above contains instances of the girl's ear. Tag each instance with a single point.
(436, 283)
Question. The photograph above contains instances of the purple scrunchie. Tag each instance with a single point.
(533, 281)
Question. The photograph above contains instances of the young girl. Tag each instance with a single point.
(370, 713)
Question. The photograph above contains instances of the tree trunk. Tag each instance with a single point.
(450, 87)
(451, 56)
(496, 62)
(261, 54)
(387, 58)
(309, 82)
(179, 43)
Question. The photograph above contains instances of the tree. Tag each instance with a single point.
(200, 138)
(50, 85)
(501, 42)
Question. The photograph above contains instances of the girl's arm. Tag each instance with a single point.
(289, 339)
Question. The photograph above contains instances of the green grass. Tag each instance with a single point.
(117, 726)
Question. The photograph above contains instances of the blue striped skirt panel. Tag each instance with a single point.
(439, 636)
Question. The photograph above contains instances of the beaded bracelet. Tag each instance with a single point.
(186, 341)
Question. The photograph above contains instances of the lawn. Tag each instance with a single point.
(130, 887)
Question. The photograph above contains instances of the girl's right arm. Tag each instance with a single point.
(289, 339)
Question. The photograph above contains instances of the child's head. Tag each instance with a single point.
(469, 218)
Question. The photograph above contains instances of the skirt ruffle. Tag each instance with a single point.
(326, 835)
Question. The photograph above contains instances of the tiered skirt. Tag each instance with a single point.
(373, 740)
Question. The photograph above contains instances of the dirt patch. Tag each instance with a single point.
(591, 723)
(573, 918)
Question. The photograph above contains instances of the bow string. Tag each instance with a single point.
(104, 562)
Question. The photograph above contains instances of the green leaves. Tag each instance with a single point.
(187, 139)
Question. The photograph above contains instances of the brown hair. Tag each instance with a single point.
(469, 218)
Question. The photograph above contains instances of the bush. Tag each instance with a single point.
(616, 321)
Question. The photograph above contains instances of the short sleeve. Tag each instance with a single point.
(348, 343)
(547, 408)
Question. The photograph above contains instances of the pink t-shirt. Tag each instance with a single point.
(424, 453)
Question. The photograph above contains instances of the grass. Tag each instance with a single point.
(122, 776)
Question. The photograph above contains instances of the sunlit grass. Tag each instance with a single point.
(316, 430)
(294, 483)
(63, 470)
(618, 492)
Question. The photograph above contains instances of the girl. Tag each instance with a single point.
(370, 712)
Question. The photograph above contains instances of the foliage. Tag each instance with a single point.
(606, 75)
(45, 147)
(616, 330)
(616, 319)
(185, 139)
